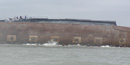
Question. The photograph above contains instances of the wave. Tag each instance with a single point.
(51, 43)
(54, 43)
(106, 46)
(30, 44)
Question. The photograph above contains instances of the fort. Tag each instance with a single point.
(64, 31)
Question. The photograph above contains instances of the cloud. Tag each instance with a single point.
(117, 10)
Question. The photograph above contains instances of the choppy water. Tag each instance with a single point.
(63, 55)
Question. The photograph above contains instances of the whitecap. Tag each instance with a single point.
(30, 44)
(51, 43)
(106, 46)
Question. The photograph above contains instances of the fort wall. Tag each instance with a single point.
(27, 32)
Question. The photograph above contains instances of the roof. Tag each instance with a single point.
(2, 20)
(73, 21)
(65, 21)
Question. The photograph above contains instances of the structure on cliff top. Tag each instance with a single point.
(64, 21)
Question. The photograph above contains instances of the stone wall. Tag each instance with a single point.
(27, 32)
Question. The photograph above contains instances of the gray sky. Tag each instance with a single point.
(115, 10)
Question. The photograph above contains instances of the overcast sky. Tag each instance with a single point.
(115, 10)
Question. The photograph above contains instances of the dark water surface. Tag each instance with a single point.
(59, 55)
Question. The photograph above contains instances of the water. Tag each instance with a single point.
(63, 55)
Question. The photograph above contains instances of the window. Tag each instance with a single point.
(98, 40)
(33, 38)
(122, 40)
(11, 38)
(55, 38)
(76, 40)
